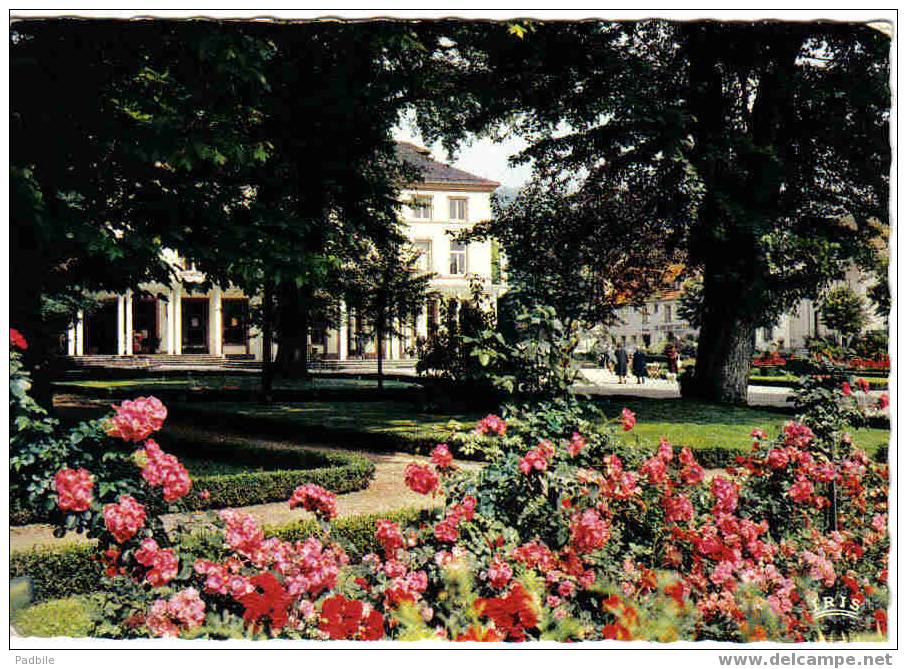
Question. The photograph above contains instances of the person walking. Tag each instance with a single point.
(621, 362)
(639, 365)
(673, 362)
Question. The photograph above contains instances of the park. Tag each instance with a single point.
(301, 347)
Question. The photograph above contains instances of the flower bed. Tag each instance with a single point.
(557, 537)
(288, 469)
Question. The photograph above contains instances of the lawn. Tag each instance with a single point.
(700, 425)
(225, 382)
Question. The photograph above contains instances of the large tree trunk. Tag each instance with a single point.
(379, 349)
(293, 323)
(267, 326)
(725, 351)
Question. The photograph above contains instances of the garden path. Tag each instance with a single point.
(386, 493)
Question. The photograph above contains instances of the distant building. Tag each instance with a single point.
(216, 322)
(657, 321)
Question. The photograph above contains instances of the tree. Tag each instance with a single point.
(689, 304)
(387, 291)
(844, 311)
(761, 148)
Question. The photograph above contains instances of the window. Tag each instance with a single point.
(668, 315)
(423, 247)
(457, 258)
(421, 207)
(457, 208)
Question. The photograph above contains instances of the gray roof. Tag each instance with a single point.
(434, 172)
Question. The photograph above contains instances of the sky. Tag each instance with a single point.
(481, 157)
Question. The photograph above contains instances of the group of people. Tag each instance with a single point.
(620, 361)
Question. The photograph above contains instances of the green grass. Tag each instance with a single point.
(225, 382)
(700, 425)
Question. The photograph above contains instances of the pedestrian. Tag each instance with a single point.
(621, 361)
(673, 362)
(639, 365)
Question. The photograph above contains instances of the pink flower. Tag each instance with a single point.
(492, 424)
(499, 573)
(777, 458)
(801, 491)
(758, 433)
(124, 518)
(184, 611)
(441, 457)
(420, 478)
(447, 530)
(655, 469)
(797, 435)
(162, 563)
(627, 419)
(16, 340)
(576, 445)
(566, 589)
(316, 499)
(534, 460)
(389, 536)
(165, 470)
(725, 495)
(678, 509)
(135, 420)
(880, 522)
(588, 531)
(74, 489)
(665, 452)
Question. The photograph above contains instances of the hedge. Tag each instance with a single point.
(345, 472)
(875, 382)
(60, 572)
(71, 617)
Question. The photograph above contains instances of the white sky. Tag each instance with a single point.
(481, 157)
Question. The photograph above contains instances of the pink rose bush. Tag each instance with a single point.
(564, 533)
(136, 420)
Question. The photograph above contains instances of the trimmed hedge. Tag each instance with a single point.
(338, 472)
(60, 572)
(71, 617)
(783, 380)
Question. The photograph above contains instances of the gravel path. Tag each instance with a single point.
(386, 493)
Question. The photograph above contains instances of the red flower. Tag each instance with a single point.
(588, 531)
(883, 401)
(16, 340)
(801, 491)
(389, 536)
(270, 600)
(441, 456)
(881, 618)
(512, 614)
(343, 618)
(576, 445)
(627, 419)
(478, 634)
(420, 478)
(616, 632)
(492, 424)
(316, 499)
(845, 388)
(863, 385)
(74, 488)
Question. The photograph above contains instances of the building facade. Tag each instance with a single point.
(657, 322)
(180, 320)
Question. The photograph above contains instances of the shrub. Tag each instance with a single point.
(70, 617)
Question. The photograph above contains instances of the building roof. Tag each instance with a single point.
(439, 175)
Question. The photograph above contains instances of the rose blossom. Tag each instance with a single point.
(499, 573)
(165, 470)
(124, 518)
(136, 419)
(74, 488)
(316, 499)
(441, 457)
(389, 536)
(534, 460)
(797, 435)
(588, 531)
(162, 563)
(678, 509)
(576, 444)
(627, 419)
(725, 495)
(492, 424)
(863, 385)
(777, 458)
(846, 389)
(16, 340)
(801, 491)
(184, 610)
(420, 478)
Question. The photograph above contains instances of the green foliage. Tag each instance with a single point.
(689, 306)
(70, 617)
(844, 311)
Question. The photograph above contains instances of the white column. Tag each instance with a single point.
(121, 325)
(80, 334)
(71, 340)
(171, 315)
(177, 321)
(216, 322)
(344, 333)
(422, 322)
(127, 308)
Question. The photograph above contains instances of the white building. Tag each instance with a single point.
(216, 323)
(657, 322)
